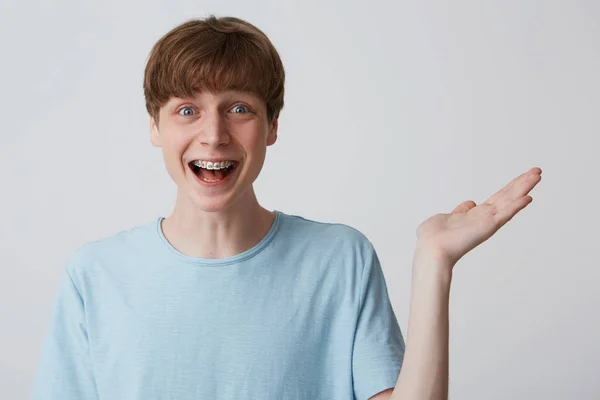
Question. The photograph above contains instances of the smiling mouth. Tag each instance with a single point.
(212, 172)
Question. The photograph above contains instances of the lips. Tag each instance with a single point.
(213, 172)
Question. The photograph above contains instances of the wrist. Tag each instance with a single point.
(432, 263)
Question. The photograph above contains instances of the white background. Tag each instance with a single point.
(394, 111)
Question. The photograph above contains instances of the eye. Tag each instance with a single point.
(186, 111)
(240, 109)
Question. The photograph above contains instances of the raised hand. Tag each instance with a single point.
(451, 236)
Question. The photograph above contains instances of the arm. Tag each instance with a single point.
(64, 371)
(425, 370)
(425, 377)
(443, 240)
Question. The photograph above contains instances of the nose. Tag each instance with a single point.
(213, 131)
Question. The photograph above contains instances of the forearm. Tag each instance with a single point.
(424, 373)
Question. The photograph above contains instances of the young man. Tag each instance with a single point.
(224, 299)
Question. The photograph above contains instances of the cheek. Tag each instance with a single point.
(256, 149)
(254, 141)
(175, 144)
(173, 150)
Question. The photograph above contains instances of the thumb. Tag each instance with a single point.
(464, 206)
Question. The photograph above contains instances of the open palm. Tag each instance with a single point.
(469, 225)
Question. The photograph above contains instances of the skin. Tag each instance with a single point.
(223, 221)
(443, 240)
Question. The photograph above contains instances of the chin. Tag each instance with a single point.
(219, 196)
(210, 204)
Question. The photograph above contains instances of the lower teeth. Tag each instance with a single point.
(198, 172)
(211, 180)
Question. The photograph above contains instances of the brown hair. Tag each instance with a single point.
(214, 54)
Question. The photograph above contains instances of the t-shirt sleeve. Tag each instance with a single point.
(64, 371)
(378, 349)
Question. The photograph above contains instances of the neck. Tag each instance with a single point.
(218, 234)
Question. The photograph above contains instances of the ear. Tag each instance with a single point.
(272, 138)
(155, 137)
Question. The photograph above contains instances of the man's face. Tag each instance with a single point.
(214, 145)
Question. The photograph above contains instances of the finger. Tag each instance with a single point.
(506, 189)
(518, 187)
(464, 206)
(509, 212)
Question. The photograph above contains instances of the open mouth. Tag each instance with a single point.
(213, 171)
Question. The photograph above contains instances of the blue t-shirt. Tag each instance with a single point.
(304, 314)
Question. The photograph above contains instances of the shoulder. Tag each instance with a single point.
(304, 225)
(336, 238)
(110, 249)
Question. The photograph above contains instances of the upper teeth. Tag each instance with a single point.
(213, 165)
